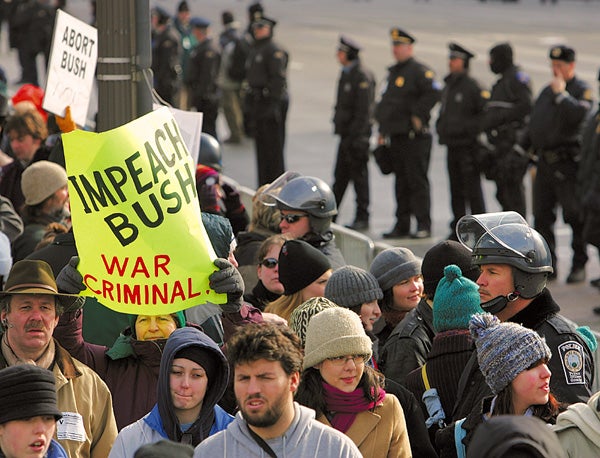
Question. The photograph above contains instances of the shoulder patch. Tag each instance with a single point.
(363, 85)
(587, 95)
(573, 362)
(278, 54)
(429, 74)
(399, 81)
(522, 77)
(485, 94)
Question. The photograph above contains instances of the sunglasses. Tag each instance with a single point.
(293, 217)
(269, 263)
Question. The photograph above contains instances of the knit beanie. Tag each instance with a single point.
(350, 286)
(40, 180)
(220, 233)
(394, 265)
(299, 265)
(27, 391)
(501, 58)
(335, 332)
(441, 255)
(204, 357)
(179, 318)
(164, 448)
(504, 350)
(302, 314)
(456, 301)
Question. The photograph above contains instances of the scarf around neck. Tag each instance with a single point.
(345, 406)
(45, 360)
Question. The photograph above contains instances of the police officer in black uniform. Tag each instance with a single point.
(267, 80)
(201, 75)
(166, 60)
(555, 129)
(403, 115)
(458, 127)
(353, 121)
(504, 120)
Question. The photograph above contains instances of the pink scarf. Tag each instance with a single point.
(344, 406)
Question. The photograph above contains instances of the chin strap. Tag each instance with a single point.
(499, 303)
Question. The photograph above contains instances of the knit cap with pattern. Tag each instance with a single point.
(456, 300)
(504, 350)
(394, 265)
(302, 314)
(335, 332)
(351, 286)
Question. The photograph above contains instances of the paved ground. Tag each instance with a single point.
(310, 29)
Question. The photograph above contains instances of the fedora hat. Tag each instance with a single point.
(35, 277)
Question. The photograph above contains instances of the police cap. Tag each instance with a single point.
(161, 14)
(348, 45)
(562, 52)
(458, 52)
(199, 22)
(399, 36)
(263, 21)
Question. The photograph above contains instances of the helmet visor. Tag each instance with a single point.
(470, 228)
(269, 195)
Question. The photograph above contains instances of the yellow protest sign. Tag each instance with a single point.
(136, 217)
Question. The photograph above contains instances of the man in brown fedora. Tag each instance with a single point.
(30, 307)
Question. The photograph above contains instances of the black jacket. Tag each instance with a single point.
(463, 101)
(409, 343)
(202, 70)
(410, 91)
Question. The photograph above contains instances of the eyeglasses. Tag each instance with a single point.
(293, 217)
(342, 360)
(269, 263)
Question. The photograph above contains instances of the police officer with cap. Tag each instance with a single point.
(403, 114)
(504, 120)
(352, 120)
(458, 127)
(555, 129)
(201, 75)
(166, 56)
(268, 98)
(515, 263)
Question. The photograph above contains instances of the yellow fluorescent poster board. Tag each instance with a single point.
(136, 217)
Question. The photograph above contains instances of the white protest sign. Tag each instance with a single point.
(72, 67)
(190, 125)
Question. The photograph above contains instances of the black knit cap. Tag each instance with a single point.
(27, 391)
(441, 255)
(501, 57)
(205, 358)
(164, 449)
(299, 265)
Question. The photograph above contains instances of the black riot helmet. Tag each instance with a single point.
(308, 194)
(210, 152)
(505, 238)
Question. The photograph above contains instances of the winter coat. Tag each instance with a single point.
(161, 422)
(381, 432)
(409, 343)
(305, 437)
(578, 428)
(85, 401)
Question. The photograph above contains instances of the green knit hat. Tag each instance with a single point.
(456, 300)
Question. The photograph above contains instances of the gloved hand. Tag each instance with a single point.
(232, 200)
(69, 280)
(228, 280)
(66, 124)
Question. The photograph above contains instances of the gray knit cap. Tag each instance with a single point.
(504, 350)
(394, 265)
(351, 286)
(302, 314)
(335, 332)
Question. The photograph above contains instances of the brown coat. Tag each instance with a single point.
(381, 433)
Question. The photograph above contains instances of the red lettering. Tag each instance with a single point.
(115, 263)
(161, 261)
(140, 268)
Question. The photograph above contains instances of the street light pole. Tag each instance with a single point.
(124, 60)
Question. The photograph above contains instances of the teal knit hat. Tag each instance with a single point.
(456, 300)
(179, 318)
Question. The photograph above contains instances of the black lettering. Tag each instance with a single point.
(117, 182)
(100, 194)
(135, 172)
(155, 163)
(190, 182)
(166, 195)
(176, 139)
(158, 136)
(118, 224)
(160, 217)
(73, 181)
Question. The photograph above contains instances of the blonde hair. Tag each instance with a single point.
(264, 217)
(285, 305)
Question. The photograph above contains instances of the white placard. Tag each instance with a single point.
(190, 125)
(72, 67)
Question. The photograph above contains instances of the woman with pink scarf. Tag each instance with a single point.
(346, 393)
